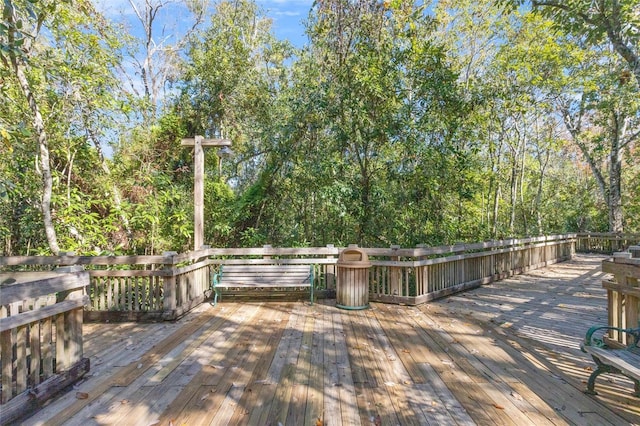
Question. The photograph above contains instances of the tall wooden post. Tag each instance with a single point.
(198, 193)
(199, 143)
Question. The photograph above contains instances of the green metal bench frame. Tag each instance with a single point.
(624, 361)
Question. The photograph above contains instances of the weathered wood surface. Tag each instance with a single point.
(506, 353)
(29, 402)
(623, 294)
(628, 362)
(263, 277)
(605, 242)
(40, 334)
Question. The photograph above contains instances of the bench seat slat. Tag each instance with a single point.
(249, 285)
(265, 268)
(265, 281)
(270, 277)
(623, 359)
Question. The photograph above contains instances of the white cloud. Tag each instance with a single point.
(286, 13)
(288, 2)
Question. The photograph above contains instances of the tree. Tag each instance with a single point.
(596, 20)
(234, 72)
(58, 56)
(602, 115)
(160, 60)
(18, 34)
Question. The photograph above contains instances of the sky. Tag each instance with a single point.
(287, 16)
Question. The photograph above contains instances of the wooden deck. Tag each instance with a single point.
(506, 353)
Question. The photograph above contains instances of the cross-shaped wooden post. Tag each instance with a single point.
(199, 143)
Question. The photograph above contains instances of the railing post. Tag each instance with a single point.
(330, 272)
(203, 275)
(623, 311)
(69, 347)
(170, 302)
(267, 247)
(394, 275)
(422, 279)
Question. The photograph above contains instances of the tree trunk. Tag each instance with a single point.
(496, 211)
(43, 149)
(615, 178)
(543, 167)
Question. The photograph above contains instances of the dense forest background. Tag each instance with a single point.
(398, 122)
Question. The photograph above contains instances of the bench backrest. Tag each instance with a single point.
(266, 274)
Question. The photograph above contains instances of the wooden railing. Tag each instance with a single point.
(41, 315)
(136, 288)
(165, 287)
(605, 242)
(414, 276)
(623, 291)
(132, 288)
(417, 275)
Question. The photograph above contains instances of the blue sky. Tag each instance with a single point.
(287, 18)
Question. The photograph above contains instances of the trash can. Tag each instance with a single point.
(352, 288)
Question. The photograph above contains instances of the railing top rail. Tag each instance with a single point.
(624, 260)
(83, 260)
(173, 258)
(612, 235)
(273, 251)
(15, 287)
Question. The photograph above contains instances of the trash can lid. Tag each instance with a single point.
(353, 258)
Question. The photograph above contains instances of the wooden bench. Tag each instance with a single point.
(622, 360)
(258, 276)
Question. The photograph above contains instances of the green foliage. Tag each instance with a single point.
(398, 123)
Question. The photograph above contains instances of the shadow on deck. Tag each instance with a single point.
(505, 353)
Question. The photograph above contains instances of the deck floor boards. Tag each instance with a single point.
(506, 353)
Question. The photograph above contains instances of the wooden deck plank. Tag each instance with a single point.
(138, 395)
(362, 381)
(482, 354)
(259, 342)
(211, 362)
(204, 389)
(125, 375)
(365, 330)
(296, 414)
(278, 410)
(331, 410)
(526, 332)
(504, 368)
(252, 341)
(315, 393)
(553, 387)
(346, 390)
(261, 411)
(433, 405)
(395, 378)
(255, 382)
(445, 398)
